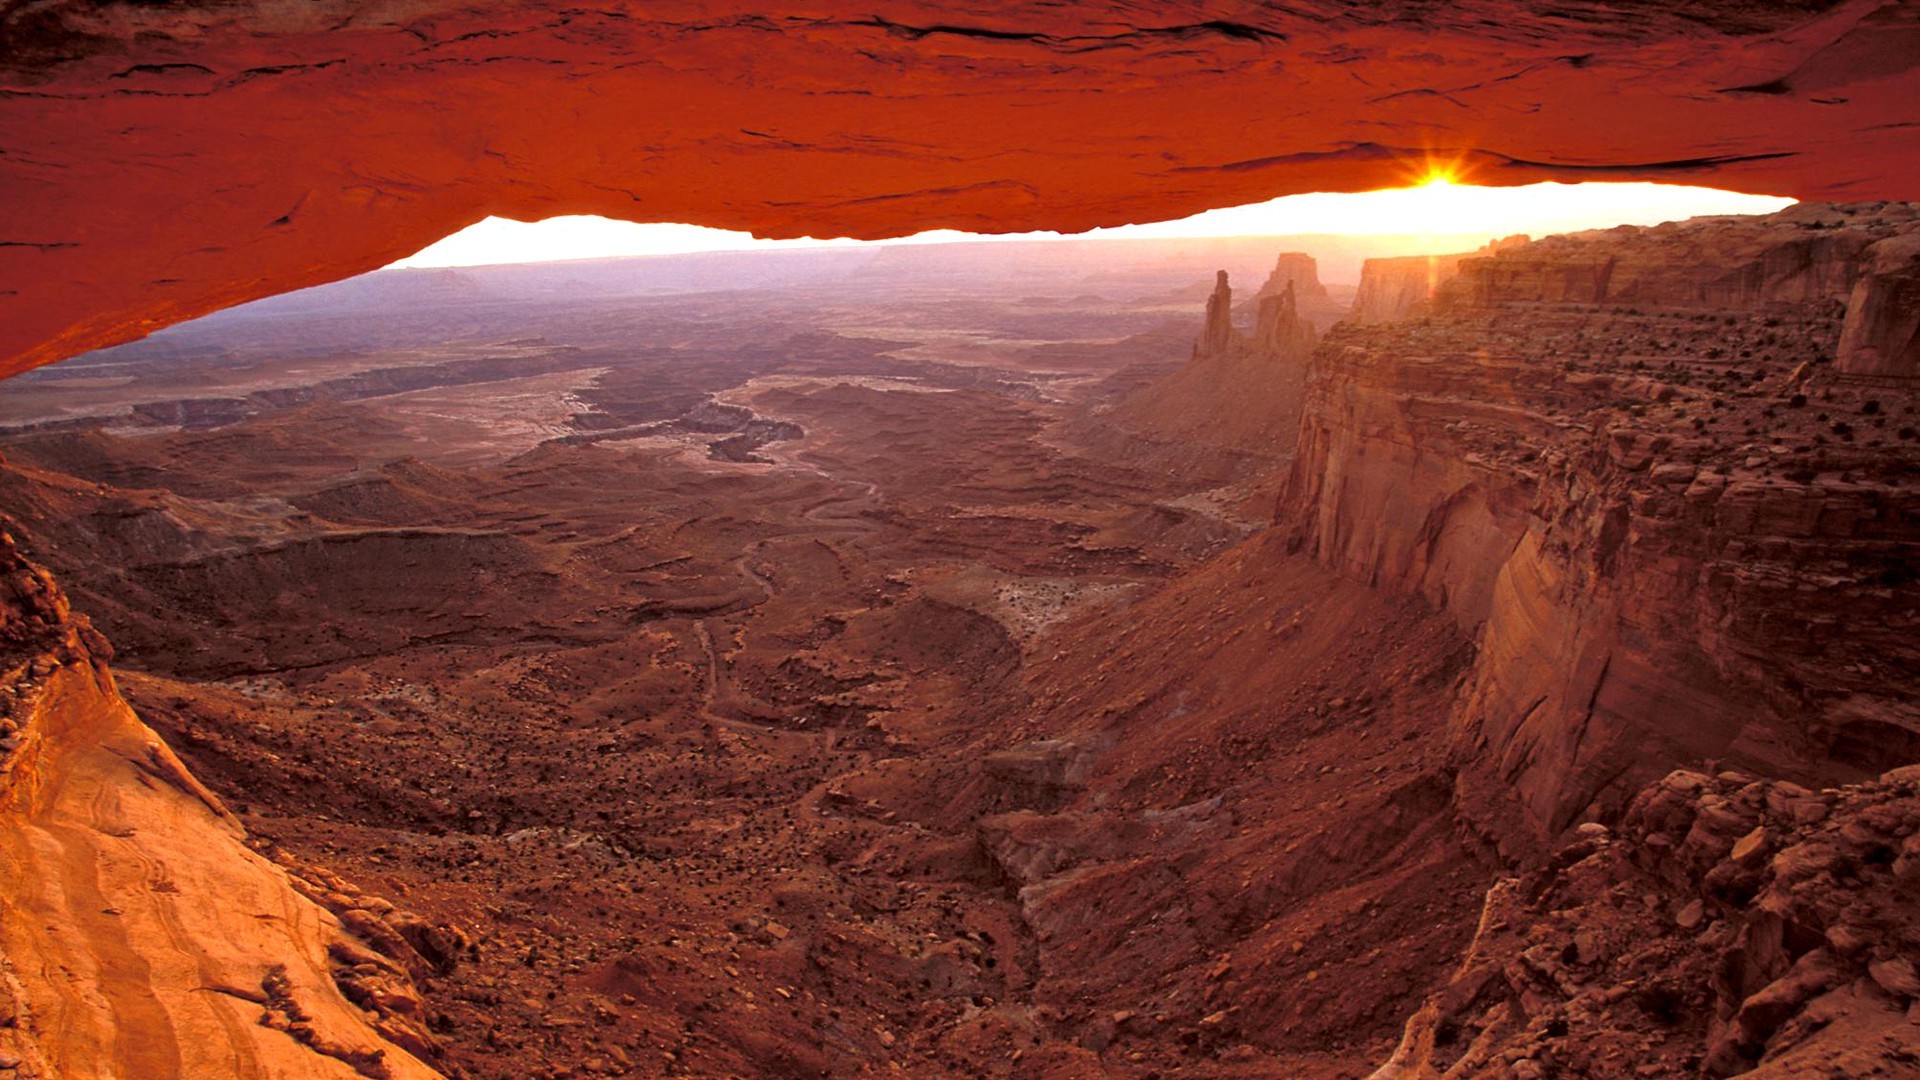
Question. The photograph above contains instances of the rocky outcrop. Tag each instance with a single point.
(1237, 393)
(139, 934)
(1405, 287)
(1278, 328)
(1882, 336)
(1298, 272)
(1280, 333)
(1217, 335)
(1804, 255)
(165, 160)
(1728, 925)
(1676, 534)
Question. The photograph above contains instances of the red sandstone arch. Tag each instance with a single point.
(158, 161)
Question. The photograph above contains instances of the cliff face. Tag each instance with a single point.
(1803, 255)
(139, 934)
(1677, 535)
(1397, 289)
(1882, 335)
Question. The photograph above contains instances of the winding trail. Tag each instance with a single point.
(831, 519)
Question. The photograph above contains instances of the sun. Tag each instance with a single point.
(1437, 169)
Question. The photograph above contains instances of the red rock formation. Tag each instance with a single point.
(1237, 393)
(139, 935)
(165, 160)
(1217, 335)
(1296, 270)
(1729, 926)
(1806, 254)
(1396, 289)
(1882, 335)
(1660, 524)
(1278, 329)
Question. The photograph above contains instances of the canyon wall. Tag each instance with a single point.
(1803, 255)
(140, 935)
(1882, 335)
(1678, 534)
(1865, 259)
(1405, 287)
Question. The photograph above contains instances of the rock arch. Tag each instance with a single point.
(158, 161)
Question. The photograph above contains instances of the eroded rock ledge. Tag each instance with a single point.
(139, 936)
(1634, 464)
(1728, 926)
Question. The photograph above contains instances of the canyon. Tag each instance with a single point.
(1394, 658)
(1052, 669)
(167, 160)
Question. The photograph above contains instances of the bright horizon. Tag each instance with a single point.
(1435, 208)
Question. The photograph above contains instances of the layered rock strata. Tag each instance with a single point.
(1677, 534)
(1727, 926)
(1405, 287)
(139, 933)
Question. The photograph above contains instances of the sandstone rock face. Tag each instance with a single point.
(1393, 290)
(166, 160)
(1217, 335)
(1678, 535)
(139, 935)
(1397, 289)
(1237, 393)
(1279, 330)
(1882, 335)
(1299, 272)
(1280, 333)
(1803, 255)
(1728, 926)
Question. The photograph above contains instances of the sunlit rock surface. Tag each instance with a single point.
(167, 160)
(139, 936)
(1405, 287)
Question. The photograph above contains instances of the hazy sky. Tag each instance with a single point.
(1437, 208)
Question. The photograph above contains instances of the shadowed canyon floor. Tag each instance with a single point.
(867, 668)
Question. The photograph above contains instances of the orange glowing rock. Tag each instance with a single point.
(162, 161)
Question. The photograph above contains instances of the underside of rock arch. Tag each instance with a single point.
(1528, 546)
(158, 161)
